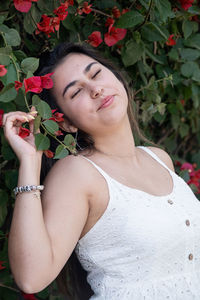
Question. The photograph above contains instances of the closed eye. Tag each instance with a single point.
(75, 93)
(96, 73)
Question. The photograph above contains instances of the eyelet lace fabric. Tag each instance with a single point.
(144, 246)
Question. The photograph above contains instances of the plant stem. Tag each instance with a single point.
(26, 102)
(17, 71)
(100, 12)
(9, 287)
(146, 17)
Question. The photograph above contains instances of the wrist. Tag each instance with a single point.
(29, 171)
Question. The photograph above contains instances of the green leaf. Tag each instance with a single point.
(69, 140)
(42, 142)
(48, 6)
(51, 126)
(164, 9)
(129, 19)
(11, 178)
(61, 152)
(193, 41)
(30, 64)
(154, 34)
(5, 55)
(3, 206)
(37, 122)
(189, 54)
(173, 54)
(189, 27)
(11, 75)
(188, 68)
(43, 109)
(69, 23)
(32, 17)
(184, 129)
(185, 175)
(103, 4)
(131, 53)
(8, 93)
(13, 38)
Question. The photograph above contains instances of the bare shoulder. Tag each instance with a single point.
(164, 156)
(70, 170)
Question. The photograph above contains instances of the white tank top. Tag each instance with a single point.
(144, 246)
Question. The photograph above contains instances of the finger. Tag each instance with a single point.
(31, 126)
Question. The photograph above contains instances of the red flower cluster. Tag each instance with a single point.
(36, 84)
(52, 24)
(186, 4)
(116, 12)
(194, 175)
(23, 5)
(3, 70)
(171, 41)
(1, 117)
(57, 117)
(1, 267)
(84, 9)
(110, 38)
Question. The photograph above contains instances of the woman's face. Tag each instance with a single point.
(89, 94)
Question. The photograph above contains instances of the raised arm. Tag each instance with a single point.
(43, 235)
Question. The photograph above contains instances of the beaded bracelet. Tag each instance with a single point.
(27, 188)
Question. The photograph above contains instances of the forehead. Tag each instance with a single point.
(74, 62)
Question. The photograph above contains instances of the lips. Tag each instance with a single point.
(106, 102)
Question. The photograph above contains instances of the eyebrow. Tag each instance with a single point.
(86, 70)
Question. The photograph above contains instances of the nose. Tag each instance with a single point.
(96, 92)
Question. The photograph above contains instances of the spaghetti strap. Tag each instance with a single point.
(150, 152)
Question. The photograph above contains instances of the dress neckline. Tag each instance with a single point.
(131, 189)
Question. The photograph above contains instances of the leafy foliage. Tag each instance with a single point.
(156, 42)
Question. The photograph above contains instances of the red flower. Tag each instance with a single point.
(114, 35)
(189, 167)
(1, 267)
(61, 11)
(33, 84)
(48, 153)
(58, 133)
(182, 102)
(186, 4)
(23, 132)
(125, 10)
(86, 8)
(3, 70)
(23, 5)
(57, 117)
(171, 41)
(95, 39)
(70, 2)
(109, 21)
(116, 12)
(46, 81)
(28, 296)
(18, 85)
(1, 116)
(48, 25)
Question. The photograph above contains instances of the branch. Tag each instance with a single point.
(146, 17)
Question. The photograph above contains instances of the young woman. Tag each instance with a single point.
(131, 221)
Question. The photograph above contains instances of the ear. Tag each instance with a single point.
(67, 126)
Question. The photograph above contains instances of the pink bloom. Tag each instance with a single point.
(95, 39)
(23, 5)
(47, 82)
(3, 70)
(189, 167)
(33, 84)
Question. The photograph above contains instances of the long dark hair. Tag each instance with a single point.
(72, 279)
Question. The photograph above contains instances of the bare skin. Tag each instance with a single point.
(44, 233)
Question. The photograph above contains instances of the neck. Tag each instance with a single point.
(120, 143)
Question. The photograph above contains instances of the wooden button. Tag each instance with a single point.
(190, 256)
(187, 222)
(170, 201)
